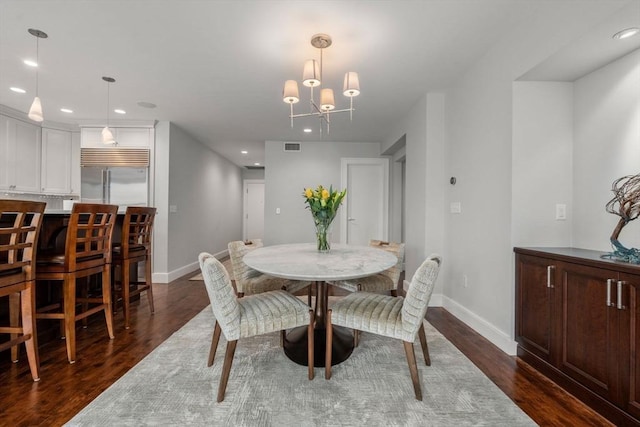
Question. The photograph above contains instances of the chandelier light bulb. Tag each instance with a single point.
(327, 102)
(290, 93)
(351, 86)
(311, 73)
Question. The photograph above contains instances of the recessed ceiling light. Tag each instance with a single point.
(119, 111)
(307, 130)
(628, 32)
(18, 90)
(244, 152)
(256, 164)
(66, 110)
(30, 62)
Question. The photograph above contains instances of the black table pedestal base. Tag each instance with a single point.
(295, 345)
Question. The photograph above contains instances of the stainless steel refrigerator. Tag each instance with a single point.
(119, 176)
(123, 186)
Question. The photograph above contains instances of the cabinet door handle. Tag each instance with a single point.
(550, 269)
(609, 283)
(620, 306)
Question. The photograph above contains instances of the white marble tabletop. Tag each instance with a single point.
(302, 261)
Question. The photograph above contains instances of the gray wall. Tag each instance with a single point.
(606, 147)
(286, 176)
(206, 190)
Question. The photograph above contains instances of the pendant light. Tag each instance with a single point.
(35, 112)
(107, 136)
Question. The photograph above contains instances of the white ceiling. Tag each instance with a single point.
(216, 68)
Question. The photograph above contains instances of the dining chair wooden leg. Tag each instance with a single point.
(147, 279)
(425, 346)
(106, 299)
(69, 291)
(126, 269)
(394, 293)
(413, 368)
(226, 368)
(84, 294)
(327, 356)
(283, 335)
(310, 345)
(214, 344)
(356, 337)
(29, 329)
(14, 322)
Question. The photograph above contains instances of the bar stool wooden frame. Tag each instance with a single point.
(87, 252)
(18, 245)
(134, 247)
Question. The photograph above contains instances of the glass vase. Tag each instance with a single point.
(323, 237)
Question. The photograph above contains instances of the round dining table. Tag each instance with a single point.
(302, 261)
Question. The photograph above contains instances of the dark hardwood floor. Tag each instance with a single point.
(65, 389)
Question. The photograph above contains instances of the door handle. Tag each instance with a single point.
(620, 306)
(550, 268)
(351, 219)
(609, 283)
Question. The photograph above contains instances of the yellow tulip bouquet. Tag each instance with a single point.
(323, 205)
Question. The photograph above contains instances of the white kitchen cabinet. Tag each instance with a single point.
(125, 137)
(56, 161)
(75, 164)
(19, 155)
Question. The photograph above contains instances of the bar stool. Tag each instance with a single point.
(20, 223)
(87, 252)
(135, 247)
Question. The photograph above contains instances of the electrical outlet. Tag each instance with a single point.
(465, 281)
(455, 207)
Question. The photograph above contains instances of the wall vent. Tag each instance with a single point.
(255, 167)
(292, 146)
(124, 157)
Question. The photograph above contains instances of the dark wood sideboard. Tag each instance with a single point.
(578, 322)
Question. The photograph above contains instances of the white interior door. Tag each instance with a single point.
(253, 209)
(366, 206)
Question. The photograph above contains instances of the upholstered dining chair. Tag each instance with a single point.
(249, 316)
(394, 317)
(386, 281)
(20, 223)
(249, 281)
(87, 252)
(134, 247)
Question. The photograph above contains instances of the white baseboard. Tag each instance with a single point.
(481, 326)
(475, 322)
(185, 269)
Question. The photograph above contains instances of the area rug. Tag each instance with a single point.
(173, 386)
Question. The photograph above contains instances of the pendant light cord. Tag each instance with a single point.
(108, 84)
(37, 62)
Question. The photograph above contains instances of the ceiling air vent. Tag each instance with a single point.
(255, 167)
(292, 146)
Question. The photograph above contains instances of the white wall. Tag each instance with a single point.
(542, 165)
(423, 130)
(286, 176)
(206, 191)
(606, 147)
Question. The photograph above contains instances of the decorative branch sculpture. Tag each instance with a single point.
(625, 204)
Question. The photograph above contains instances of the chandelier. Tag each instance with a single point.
(312, 77)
